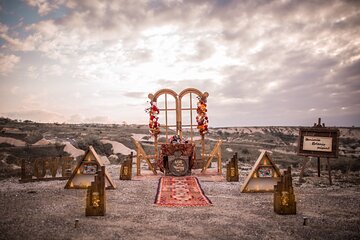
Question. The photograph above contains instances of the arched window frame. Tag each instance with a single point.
(178, 108)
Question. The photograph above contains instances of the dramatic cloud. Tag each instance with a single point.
(263, 63)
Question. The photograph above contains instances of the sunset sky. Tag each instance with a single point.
(263, 63)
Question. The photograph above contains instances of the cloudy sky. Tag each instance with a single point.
(262, 62)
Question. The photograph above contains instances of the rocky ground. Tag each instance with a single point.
(45, 210)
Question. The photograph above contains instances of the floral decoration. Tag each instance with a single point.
(202, 118)
(154, 124)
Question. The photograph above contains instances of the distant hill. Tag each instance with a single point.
(115, 141)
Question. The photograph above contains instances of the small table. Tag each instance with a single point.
(176, 158)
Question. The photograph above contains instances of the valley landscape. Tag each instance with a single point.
(39, 210)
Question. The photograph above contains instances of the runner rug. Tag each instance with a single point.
(180, 192)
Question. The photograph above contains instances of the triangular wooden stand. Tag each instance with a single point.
(263, 176)
(141, 155)
(216, 152)
(86, 169)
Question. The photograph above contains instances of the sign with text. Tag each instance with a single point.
(322, 144)
(319, 142)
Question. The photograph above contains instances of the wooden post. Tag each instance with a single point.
(166, 119)
(203, 148)
(318, 166)
(53, 165)
(220, 161)
(138, 160)
(66, 166)
(39, 168)
(156, 151)
(329, 169)
(25, 175)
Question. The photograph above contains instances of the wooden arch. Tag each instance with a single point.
(154, 97)
(192, 90)
(182, 94)
(178, 101)
(205, 158)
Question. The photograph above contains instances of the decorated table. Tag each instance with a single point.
(176, 159)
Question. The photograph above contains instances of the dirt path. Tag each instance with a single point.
(45, 210)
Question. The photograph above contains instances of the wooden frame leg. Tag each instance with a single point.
(305, 161)
(138, 160)
(329, 169)
(151, 166)
(219, 163)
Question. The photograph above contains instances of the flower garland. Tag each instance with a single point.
(202, 118)
(154, 125)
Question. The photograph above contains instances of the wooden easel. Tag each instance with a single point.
(216, 152)
(318, 126)
(141, 155)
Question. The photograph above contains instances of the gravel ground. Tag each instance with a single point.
(45, 210)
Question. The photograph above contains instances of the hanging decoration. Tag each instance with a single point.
(202, 118)
(154, 124)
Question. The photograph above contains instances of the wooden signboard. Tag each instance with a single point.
(45, 169)
(319, 142)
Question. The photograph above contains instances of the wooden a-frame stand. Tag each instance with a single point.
(216, 152)
(141, 155)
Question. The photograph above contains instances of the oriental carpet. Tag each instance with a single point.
(180, 192)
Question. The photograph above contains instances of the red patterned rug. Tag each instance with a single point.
(180, 192)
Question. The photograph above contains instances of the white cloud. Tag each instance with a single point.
(265, 59)
(32, 72)
(45, 6)
(8, 63)
(53, 70)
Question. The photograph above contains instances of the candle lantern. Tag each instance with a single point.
(95, 197)
(232, 170)
(284, 197)
(126, 168)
